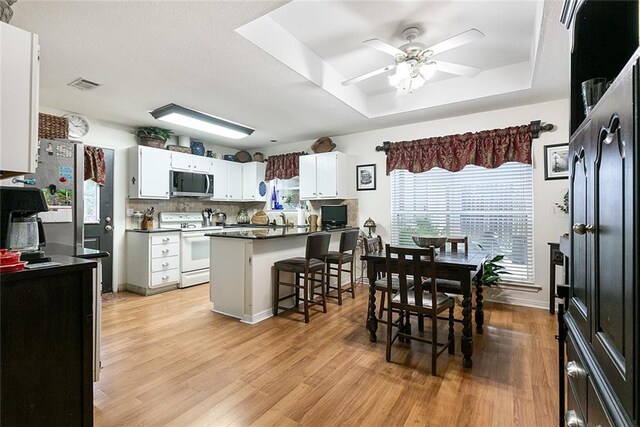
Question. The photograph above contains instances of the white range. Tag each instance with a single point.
(194, 246)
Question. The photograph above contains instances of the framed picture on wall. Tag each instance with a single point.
(556, 161)
(365, 177)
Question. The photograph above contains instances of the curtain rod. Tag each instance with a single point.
(536, 128)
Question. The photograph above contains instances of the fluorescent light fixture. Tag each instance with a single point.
(178, 115)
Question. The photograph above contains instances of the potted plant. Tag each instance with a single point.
(153, 136)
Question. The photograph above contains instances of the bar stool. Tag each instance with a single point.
(304, 268)
(348, 243)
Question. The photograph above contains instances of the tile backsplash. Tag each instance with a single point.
(189, 204)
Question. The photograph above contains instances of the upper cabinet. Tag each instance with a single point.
(234, 184)
(19, 100)
(604, 36)
(253, 186)
(190, 162)
(148, 173)
(323, 176)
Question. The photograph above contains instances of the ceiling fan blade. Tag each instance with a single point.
(460, 70)
(367, 75)
(456, 41)
(383, 47)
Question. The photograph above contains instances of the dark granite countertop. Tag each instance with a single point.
(153, 230)
(67, 264)
(68, 250)
(271, 233)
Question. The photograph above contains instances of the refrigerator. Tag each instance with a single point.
(60, 175)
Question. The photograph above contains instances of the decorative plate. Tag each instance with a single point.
(323, 145)
(243, 156)
(262, 188)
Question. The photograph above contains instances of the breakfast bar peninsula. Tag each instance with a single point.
(241, 277)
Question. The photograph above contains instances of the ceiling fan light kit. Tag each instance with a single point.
(413, 61)
(193, 119)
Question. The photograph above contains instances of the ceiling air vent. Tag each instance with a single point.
(84, 84)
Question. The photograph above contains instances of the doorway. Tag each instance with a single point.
(98, 218)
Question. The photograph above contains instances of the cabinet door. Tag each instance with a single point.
(19, 100)
(249, 181)
(327, 175)
(579, 200)
(612, 316)
(201, 163)
(182, 161)
(220, 170)
(308, 177)
(154, 167)
(235, 181)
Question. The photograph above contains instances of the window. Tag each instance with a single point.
(494, 207)
(91, 202)
(287, 193)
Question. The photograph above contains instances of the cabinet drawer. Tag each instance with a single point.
(573, 415)
(165, 239)
(597, 415)
(165, 263)
(576, 375)
(167, 250)
(162, 278)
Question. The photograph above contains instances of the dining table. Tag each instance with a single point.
(459, 266)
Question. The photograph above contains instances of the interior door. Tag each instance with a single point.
(98, 219)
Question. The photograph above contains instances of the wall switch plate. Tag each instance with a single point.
(129, 212)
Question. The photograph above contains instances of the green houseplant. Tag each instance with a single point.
(153, 136)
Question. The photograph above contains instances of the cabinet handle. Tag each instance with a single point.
(571, 417)
(608, 133)
(166, 239)
(165, 251)
(573, 370)
(581, 229)
(165, 277)
(165, 264)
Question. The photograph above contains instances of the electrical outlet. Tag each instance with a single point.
(129, 212)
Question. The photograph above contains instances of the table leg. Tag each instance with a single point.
(479, 306)
(372, 321)
(467, 334)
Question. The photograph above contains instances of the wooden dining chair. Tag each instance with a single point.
(374, 244)
(420, 299)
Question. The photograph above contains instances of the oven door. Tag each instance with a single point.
(188, 184)
(194, 251)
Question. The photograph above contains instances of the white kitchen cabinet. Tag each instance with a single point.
(149, 173)
(157, 261)
(19, 100)
(227, 180)
(235, 181)
(253, 186)
(190, 162)
(220, 170)
(323, 176)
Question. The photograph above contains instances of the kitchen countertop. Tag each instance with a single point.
(153, 230)
(72, 251)
(67, 264)
(271, 233)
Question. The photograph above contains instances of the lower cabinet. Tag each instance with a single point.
(156, 266)
(46, 318)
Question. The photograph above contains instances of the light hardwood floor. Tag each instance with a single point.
(169, 360)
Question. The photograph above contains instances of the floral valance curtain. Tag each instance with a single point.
(95, 168)
(283, 166)
(489, 149)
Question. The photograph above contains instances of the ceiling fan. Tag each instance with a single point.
(414, 63)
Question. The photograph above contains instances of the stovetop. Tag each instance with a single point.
(185, 221)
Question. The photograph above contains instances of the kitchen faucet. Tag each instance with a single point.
(284, 218)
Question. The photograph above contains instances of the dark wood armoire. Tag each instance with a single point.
(600, 326)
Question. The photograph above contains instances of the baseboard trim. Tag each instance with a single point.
(256, 318)
(523, 302)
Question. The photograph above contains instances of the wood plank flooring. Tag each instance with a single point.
(169, 360)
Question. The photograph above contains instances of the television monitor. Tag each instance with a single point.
(333, 216)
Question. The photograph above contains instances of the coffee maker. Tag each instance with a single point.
(20, 228)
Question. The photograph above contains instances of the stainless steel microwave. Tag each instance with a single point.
(189, 184)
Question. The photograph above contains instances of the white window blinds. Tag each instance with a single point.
(493, 207)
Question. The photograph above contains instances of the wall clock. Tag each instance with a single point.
(78, 126)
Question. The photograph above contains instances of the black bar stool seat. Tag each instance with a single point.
(305, 270)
